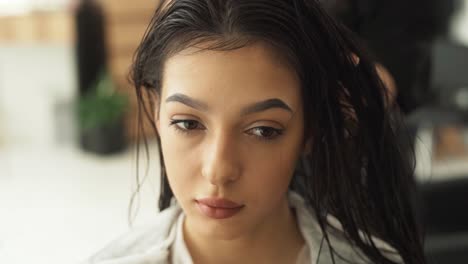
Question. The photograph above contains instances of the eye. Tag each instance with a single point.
(266, 133)
(185, 125)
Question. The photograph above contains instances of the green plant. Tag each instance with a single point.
(102, 106)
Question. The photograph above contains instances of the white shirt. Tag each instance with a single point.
(153, 244)
(181, 255)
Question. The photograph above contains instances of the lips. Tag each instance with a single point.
(219, 203)
(218, 208)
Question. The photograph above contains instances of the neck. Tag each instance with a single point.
(277, 240)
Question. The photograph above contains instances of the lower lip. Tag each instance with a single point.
(216, 212)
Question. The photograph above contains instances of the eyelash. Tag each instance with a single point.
(278, 132)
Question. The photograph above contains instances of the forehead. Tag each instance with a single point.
(231, 78)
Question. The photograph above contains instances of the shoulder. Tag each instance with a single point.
(346, 248)
(143, 243)
(345, 251)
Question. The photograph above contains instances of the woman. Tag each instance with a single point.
(275, 144)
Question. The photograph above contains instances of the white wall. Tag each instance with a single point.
(14, 7)
(33, 81)
(58, 204)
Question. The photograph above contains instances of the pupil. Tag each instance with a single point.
(266, 132)
(191, 125)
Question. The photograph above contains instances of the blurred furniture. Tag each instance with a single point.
(54, 27)
(126, 22)
(450, 75)
(445, 215)
(36, 69)
(441, 137)
(443, 191)
(91, 49)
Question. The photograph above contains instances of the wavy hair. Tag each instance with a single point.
(357, 169)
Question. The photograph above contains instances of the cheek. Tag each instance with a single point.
(269, 172)
(279, 159)
(272, 169)
(180, 163)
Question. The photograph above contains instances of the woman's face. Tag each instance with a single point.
(231, 127)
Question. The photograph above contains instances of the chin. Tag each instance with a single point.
(227, 229)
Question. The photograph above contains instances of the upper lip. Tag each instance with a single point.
(219, 203)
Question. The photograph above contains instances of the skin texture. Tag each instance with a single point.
(389, 83)
(225, 153)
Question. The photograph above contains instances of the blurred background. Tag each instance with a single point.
(67, 119)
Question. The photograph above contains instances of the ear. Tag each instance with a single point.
(307, 147)
(356, 60)
(389, 83)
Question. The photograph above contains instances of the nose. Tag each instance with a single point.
(221, 164)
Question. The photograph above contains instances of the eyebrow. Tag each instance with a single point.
(250, 109)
